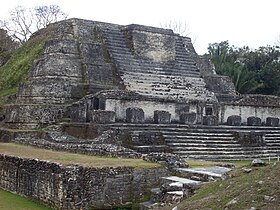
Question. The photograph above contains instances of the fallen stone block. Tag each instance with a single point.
(258, 162)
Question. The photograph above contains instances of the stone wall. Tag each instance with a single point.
(33, 116)
(152, 43)
(149, 107)
(76, 187)
(248, 111)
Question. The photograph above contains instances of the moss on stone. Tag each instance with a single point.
(13, 73)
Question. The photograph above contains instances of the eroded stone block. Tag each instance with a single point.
(272, 121)
(135, 115)
(210, 120)
(162, 117)
(234, 120)
(254, 121)
(188, 118)
(101, 116)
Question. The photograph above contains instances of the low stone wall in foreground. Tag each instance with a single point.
(76, 187)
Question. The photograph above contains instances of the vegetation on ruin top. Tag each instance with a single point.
(67, 158)
(13, 73)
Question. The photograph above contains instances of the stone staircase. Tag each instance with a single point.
(206, 142)
(175, 79)
(173, 189)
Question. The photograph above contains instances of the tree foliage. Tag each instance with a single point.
(25, 21)
(252, 71)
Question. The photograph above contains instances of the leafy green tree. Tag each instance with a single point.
(252, 71)
(227, 61)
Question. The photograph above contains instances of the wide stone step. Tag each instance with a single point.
(203, 144)
(208, 136)
(206, 172)
(272, 138)
(151, 148)
(151, 70)
(221, 152)
(196, 133)
(171, 139)
(177, 179)
(156, 77)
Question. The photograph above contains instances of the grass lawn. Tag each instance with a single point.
(10, 201)
(67, 158)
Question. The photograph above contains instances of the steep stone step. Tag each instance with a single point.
(205, 173)
(200, 136)
(213, 145)
(151, 148)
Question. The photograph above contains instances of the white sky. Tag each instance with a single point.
(252, 23)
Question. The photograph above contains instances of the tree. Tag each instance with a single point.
(231, 61)
(177, 26)
(7, 46)
(48, 14)
(23, 22)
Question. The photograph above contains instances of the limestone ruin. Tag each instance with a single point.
(144, 81)
(122, 91)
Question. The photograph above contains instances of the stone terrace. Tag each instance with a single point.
(209, 142)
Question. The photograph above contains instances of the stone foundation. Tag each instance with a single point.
(76, 187)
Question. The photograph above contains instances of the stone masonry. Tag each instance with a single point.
(76, 187)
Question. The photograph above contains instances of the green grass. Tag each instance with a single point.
(15, 71)
(203, 163)
(10, 201)
(248, 188)
(67, 158)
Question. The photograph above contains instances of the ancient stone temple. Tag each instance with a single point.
(148, 86)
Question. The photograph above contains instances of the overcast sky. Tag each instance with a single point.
(250, 23)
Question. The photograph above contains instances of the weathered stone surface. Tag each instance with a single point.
(258, 162)
(188, 118)
(170, 160)
(234, 120)
(272, 121)
(135, 115)
(101, 116)
(162, 117)
(254, 121)
(250, 138)
(210, 120)
(76, 187)
(33, 115)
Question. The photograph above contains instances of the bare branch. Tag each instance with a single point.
(23, 22)
(177, 26)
